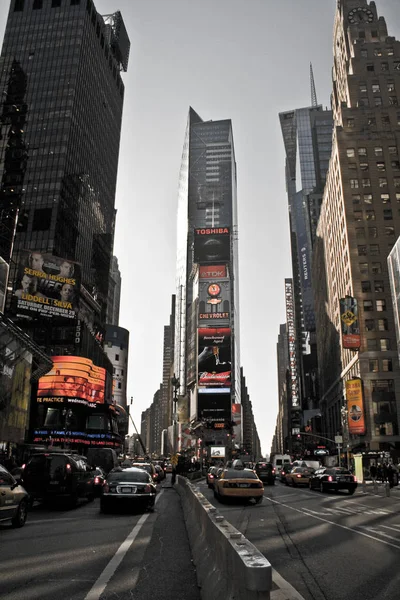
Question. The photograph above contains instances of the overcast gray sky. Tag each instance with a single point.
(246, 60)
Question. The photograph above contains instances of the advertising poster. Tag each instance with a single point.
(47, 286)
(237, 420)
(214, 301)
(212, 245)
(350, 326)
(355, 406)
(214, 407)
(217, 451)
(73, 379)
(214, 359)
(212, 272)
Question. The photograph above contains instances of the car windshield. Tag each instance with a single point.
(123, 476)
(144, 467)
(235, 474)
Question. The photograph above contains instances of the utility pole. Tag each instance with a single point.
(137, 433)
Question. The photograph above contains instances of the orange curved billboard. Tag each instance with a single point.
(73, 377)
(355, 406)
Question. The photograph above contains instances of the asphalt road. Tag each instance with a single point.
(327, 546)
(81, 554)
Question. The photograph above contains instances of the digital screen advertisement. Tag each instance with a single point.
(214, 407)
(214, 301)
(212, 245)
(214, 358)
(47, 286)
(217, 451)
(74, 379)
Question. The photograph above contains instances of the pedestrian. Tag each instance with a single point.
(390, 475)
(379, 472)
(385, 472)
(173, 476)
(372, 471)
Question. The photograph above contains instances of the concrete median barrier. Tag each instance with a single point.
(228, 566)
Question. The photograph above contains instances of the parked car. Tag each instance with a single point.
(333, 478)
(238, 483)
(60, 475)
(265, 472)
(149, 467)
(298, 476)
(211, 473)
(168, 468)
(13, 499)
(131, 487)
(99, 479)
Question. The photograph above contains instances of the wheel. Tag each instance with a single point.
(309, 485)
(21, 514)
(351, 491)
(258, 500)
(294, 484)
(90, 498)
(73, 500)
(321, 488)
(286, 482)
(104, 508)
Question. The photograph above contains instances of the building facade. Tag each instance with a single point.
(114, 293)
(359, 372)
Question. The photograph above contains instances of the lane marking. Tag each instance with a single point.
(100, 585)
(374, 530)
(371, 537)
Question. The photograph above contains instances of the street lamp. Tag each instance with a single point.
(176, 385)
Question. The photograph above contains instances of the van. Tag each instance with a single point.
(106, 458)
(279, 461)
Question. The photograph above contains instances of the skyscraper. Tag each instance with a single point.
(63, 62)
(359, 223)
(207, 360)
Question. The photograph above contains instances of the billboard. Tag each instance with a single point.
(214, 407)
(237, 420)
(217, 451)
(214, 358)
(214, 301)
(73, 379)
(47, 286)
(291, 333)
(350, 326)
(212, 245)
(212, 272)
(355, 406)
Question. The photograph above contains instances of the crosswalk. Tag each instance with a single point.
(348, 509)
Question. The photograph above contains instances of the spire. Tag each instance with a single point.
(314, 101)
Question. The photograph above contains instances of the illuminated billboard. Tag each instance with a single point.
(214, 301)
(217, 451)
(73, 379)
(355, 406)
(214, 358)
(47, 286)
(214, 407)
(212, 271)
(212, 245)
(350, 327)
(291, 333)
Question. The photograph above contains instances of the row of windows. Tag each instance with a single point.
(380, 305)
(380, 165)
(378, 51)
(374, 268)
(371, 121)
(369, 215)
(384, 66)
(382, 344)
(38, 4)
(386, 365)
(376, 87)
(378, 151)
(372, 250)
(378, 101)
(373, 232)
(366, 182)
(369, 198)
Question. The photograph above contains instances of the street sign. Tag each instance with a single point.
(338, 439)
(174, 460)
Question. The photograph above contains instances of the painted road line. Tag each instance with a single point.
(385, 535)
(393, 527)
(367, 535)
(101, 583)
(289, 592)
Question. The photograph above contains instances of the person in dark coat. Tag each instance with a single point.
(373, 472)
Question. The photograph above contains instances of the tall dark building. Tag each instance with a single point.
(207, 360)
(63, 61)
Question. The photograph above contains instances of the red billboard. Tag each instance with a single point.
(72, 379)
(214, 358)
(212, 271)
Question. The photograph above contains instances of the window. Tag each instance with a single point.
(387, 364)
(378, 52)
(372, 344)
(362, 152)
(364, 54)
(364, 268)
(385, 120)
(382, 182)
(370, 68)
(41, 219)
(37, 4)
(397, 197)
(378, 151)
(371, 121)
(392, 149)
(354, 183)
(350, 152)
(384, 344)
(395, 165)
(381, 305)
(390, 86)
(119, 385)
(369, 324)
(387, 214)
(384, 66)
(352, 166)
(368, 198)
(378, 101)
(55, 3)
(360, 233)
(380, 165)
(356, 199)
(362, 250)
(350, 123)
(382, 324)
(75, 2)
(389, 51)
(373, 365)
(117, 357)
(370, 215)
(19, 5)
(365, 183)
(374, 250)
(372, 232)
(396, 181)
(389, 231)
(393, 101)
(368, 306)
(379, 286)
(357, 215)
(376, 267)
(376, 88)
(364, 166)
(385, 198)
(365, 286)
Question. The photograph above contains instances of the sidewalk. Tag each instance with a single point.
(378, 489)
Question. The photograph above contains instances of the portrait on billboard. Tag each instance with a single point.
(46, 286)
(214, 358)
(214, 301)
(350, 326)
(212, 245)
(74, 379)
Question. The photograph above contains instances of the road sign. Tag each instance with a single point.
(174, 460)
(338, 439)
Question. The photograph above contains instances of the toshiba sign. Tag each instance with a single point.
(212, 245)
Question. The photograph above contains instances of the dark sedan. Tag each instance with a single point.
(129, 488)
(334, 478)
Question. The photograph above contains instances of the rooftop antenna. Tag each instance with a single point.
(314, 101)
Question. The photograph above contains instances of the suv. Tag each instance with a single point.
(265, 472)
(13, 499)
(59, 475)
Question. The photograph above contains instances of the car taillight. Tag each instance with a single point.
(260, 484)
(282, 472)
(298, 475)
(147, 489)
(354, 478)
(106, 487)
(330, 478)
(154, 475)
(211, 476)
(23, 466)
(68, 467)
(97, 479)
(273, 470)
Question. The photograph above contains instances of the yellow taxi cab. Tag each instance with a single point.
(298, 476)
(238, 483)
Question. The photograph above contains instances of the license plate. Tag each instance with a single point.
(128, 490)
(243, 485)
